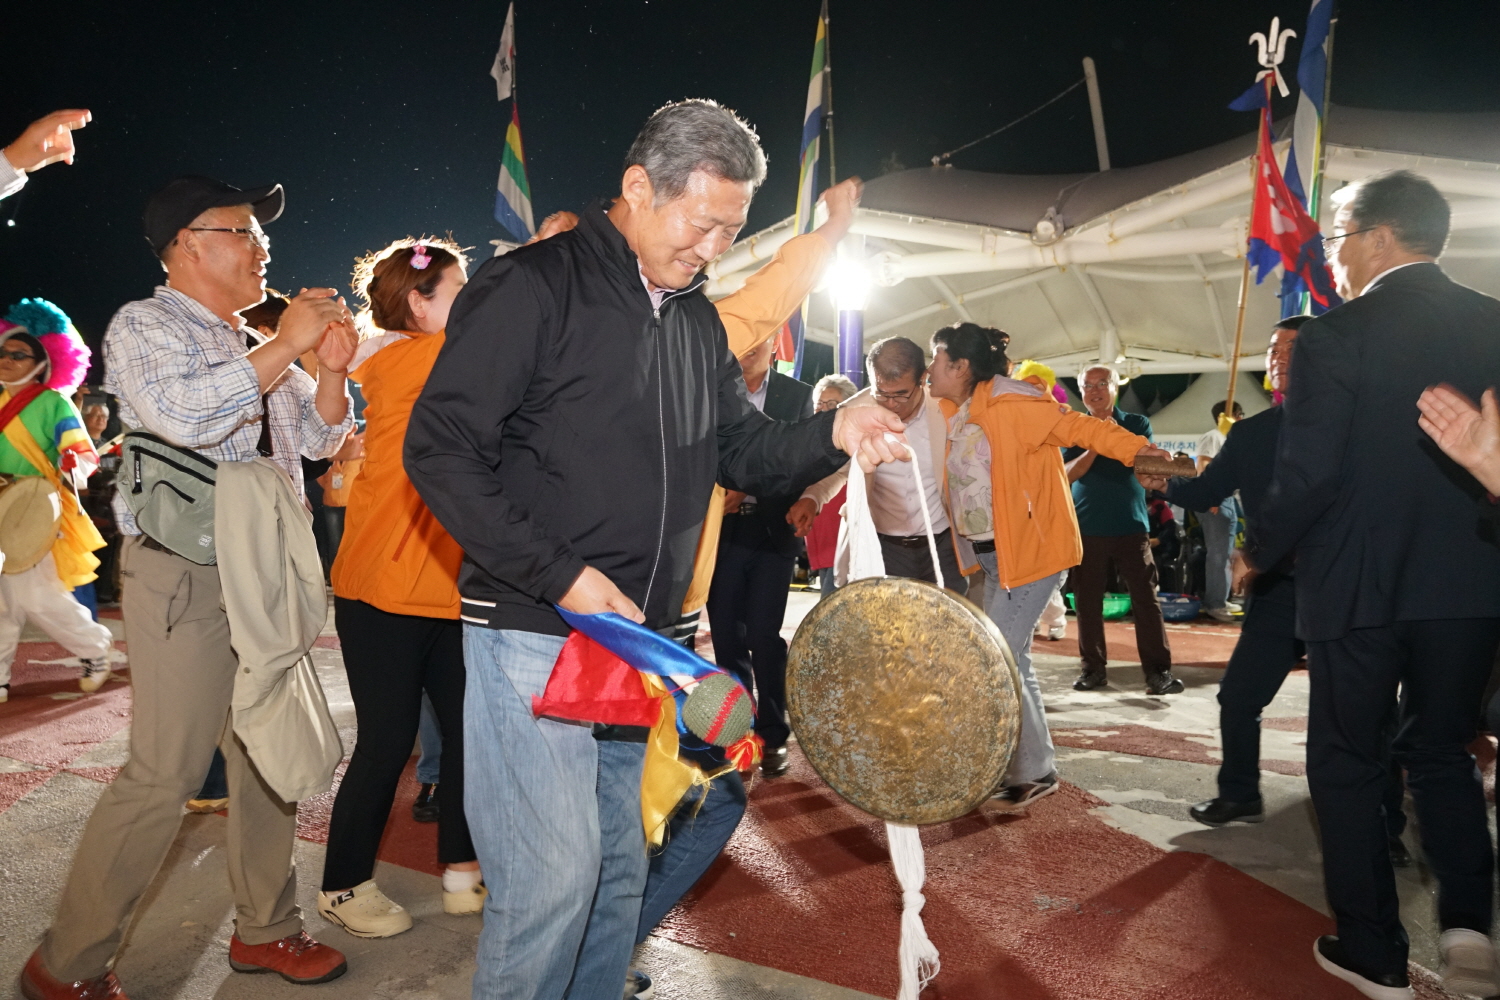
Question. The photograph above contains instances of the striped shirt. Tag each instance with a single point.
(182, 373)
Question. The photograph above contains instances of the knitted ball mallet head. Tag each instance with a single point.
(67, 355)
(718, 710)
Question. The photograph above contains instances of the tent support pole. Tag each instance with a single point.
(1096, 112)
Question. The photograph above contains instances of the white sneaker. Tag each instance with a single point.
(470, 900)
(4, 693)
(1468, 962)
(364, 911)
(1058, 632)
(95, 673)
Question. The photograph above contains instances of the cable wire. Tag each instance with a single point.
(937, 161)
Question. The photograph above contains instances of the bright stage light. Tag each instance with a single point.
(849, 282)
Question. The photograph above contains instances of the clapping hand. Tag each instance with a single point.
(1468, 434)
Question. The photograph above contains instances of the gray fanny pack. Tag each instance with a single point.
(170, 492)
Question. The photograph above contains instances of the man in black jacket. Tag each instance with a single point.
(1398, 580)
(1268, 647)
(569, 437)
(757, 554)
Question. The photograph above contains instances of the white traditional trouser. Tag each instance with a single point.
(39, 595)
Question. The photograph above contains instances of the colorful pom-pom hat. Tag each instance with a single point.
(67, 355)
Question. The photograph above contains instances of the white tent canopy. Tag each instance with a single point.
(1178, 425)
(1139, 266)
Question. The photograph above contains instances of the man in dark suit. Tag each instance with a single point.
(1398, 580)
(757, 553)
(1268, 646)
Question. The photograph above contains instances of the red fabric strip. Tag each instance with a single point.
(591, 684)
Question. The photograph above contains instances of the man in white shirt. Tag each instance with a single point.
(898, 369)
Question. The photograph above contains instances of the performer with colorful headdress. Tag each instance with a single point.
(46, 540)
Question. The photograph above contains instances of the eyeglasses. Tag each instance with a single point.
(256, 238)
(1328, 241)
(17, 355)
(895, 397)
(1106, 384)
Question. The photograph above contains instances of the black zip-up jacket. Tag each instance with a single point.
(567, 423)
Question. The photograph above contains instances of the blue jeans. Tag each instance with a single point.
(430, 738)
(1015, 613)
(695, 836)
(1218, 553)
(556, 821)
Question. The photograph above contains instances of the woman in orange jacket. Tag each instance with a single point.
(396, 600)
(1008, 494)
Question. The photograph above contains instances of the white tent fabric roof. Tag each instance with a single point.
(1178, 425)
(1138, 265)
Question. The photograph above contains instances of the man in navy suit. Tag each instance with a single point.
(757, 554)
(1398, 581)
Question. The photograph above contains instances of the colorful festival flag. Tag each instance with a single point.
(789, 343)
(512, 192)
(1302, 162)
(1281, 231)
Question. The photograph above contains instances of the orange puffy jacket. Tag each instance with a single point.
(1036, 529)
(395, 555)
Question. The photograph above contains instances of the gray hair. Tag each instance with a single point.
(1409, 203)
(1114, 376)
(845, 387)
(696, 134)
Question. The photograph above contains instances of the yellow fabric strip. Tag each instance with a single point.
(665, 779)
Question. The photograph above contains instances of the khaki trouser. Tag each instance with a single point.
(182, 676)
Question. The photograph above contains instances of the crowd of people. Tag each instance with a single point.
(628, 446)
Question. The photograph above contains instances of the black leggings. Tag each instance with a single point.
(390, 659)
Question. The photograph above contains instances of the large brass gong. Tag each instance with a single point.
(904, 698)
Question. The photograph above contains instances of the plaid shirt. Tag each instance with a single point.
(181, 372)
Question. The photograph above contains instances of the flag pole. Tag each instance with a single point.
(833, 173)
(1239, 323)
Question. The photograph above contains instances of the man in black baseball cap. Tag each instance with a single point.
(183, 365)
(174, 207)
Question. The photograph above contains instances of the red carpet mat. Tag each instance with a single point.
(1045, 906)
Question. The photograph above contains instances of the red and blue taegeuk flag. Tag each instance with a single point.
(1281, 231)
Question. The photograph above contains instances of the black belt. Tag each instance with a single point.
(983, 545)
(152, 543)
(745, 508)
(912, 541)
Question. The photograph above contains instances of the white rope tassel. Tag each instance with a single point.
(918, 956)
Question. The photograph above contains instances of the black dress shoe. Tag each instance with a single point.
(1329, 953)
(425, 809)
(1400, 856)
(1217, 812)
(1163, 683)
(1088, 682)
(775, 763)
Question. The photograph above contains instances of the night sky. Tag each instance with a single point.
(381, 120)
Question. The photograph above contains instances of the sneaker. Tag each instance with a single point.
(1163, 683)
(1329, 954)
(4, 693)
(95, 673)
(1468, 962)
(470, 900)
(364, 911)
(37, 984)
(206, 806)
(1226, 615)
(638, 986)
(296, 958)
(425, 809)
(1088, 682)
(1221, 812)
(1027, 793)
